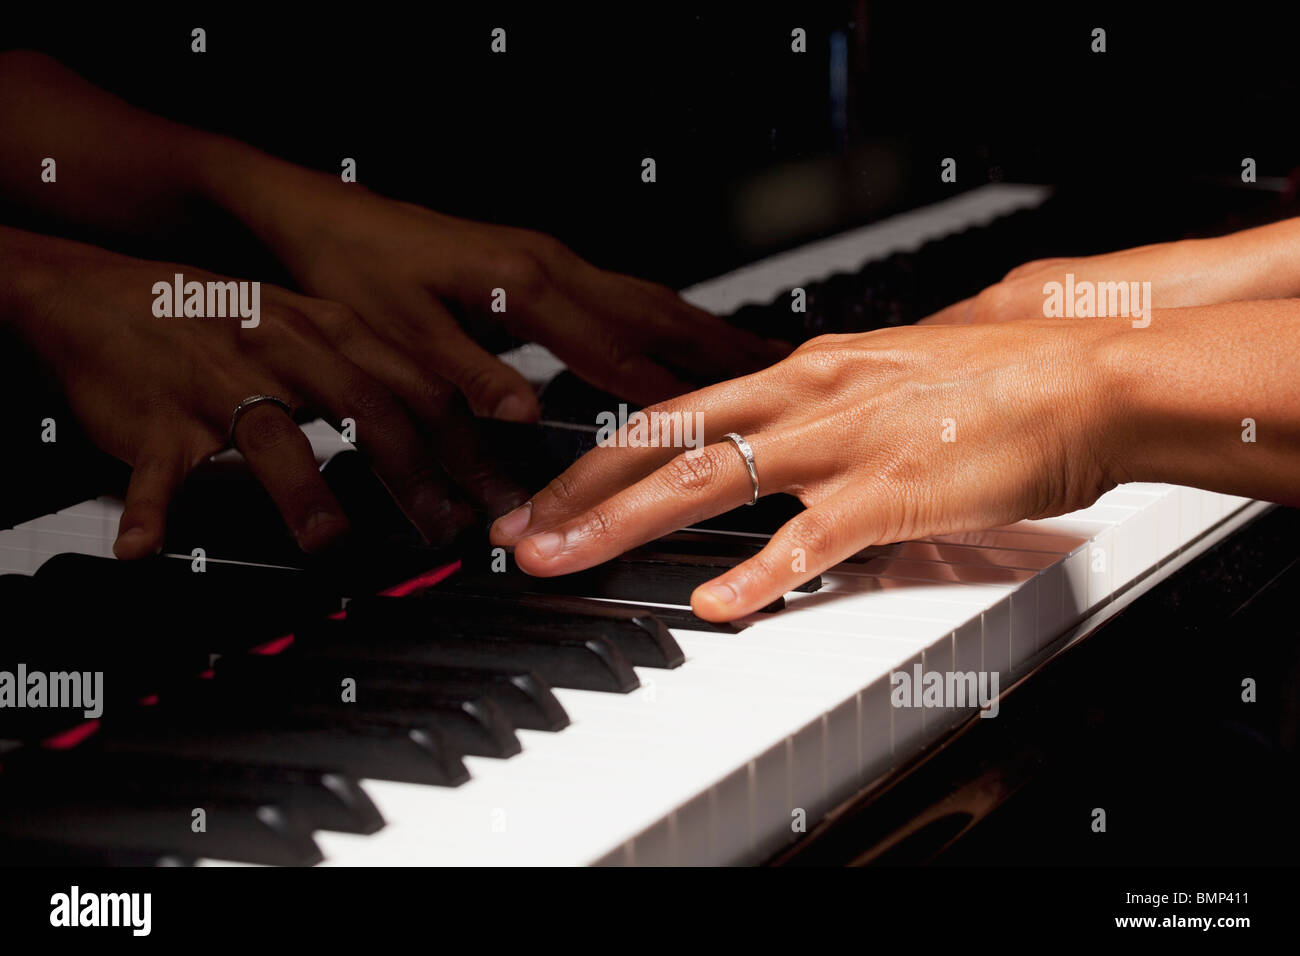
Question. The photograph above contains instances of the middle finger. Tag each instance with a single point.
(691, 487)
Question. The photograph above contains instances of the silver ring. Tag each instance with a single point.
(744, 449)
(251, 402)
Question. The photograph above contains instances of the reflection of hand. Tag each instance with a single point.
(412, 275)
(1253, 264)
(884, 436)
(158, 393)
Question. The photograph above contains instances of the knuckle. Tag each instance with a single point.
(423, 473)
(369, 401)
(821, 359)
(521, 273)
(613, 354)
(543, 246)
(290, 327)
(336, 321)
(814, 533)
(818, 343)
(439, 398)
(1025, 267)
(663, 295)
(482, 380)
(263, 429)
(999, 301)
(289, 320)
(596, 525)
(562, 489)
(694, 473)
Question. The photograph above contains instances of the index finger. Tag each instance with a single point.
(703, 417)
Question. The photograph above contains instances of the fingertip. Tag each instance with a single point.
(441, 518)
(510, 527)
(137, 542)
(516, 407)
(715, 601)
(537, 553)
(321, 529)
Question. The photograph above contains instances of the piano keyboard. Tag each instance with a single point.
(636, 745)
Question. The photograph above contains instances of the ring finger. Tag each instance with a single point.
(282, 460)
(693, 486)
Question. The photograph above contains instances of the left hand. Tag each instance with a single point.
(417, 279)
(884, 436)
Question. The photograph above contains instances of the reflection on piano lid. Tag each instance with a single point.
(588, 720)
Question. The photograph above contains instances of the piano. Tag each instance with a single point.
(421, 707)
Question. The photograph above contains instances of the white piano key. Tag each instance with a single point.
(43, 546)
(762, 280)
(938, 659)
(908, 723)
(105, 507)
(49, 543)
(103, 526)
(20, 561)
(1031, 538)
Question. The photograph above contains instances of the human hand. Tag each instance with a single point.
(1252, 264)
(419, 280)
(158, 393)
(884, 436)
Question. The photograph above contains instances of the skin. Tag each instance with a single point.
(377, 328)
(88, 312)
(1049, 414)
(1255, 263)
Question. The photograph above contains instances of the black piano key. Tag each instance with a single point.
(224, 607)
(713, 545)
(470, 725)
(250, 833)
(363, 752)
(641, 637)
(715, 563)
(524, 698)
(322, 800)
(531, 455)
(657, 580)
(765, 518)
(682, 618)
(55, 852)
(584, 663)
(228, 514)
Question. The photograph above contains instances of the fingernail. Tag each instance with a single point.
(307, 535)
(548, 545)
(722, 593)
(130, 537)
(513, 524)
(513, 408)
(315, 520)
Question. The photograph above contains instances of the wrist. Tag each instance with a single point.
(28, 278)
(1154, 388)
(1093, 399)
(280, 204)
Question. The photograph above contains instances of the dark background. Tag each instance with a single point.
(552, 133)
(551, 136)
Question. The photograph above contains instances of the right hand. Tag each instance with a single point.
(1252, 264)
(158, 393)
